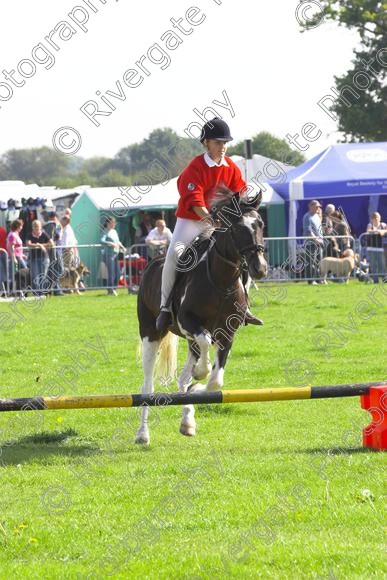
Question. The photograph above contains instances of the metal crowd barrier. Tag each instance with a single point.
(139, 255)
(289, 259)
(5, 281)
(297, 258)
(49, 271)
(372, 248)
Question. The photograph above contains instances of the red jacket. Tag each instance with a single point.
(198, 183)
(3, 238)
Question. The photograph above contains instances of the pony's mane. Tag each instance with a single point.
(221, 198)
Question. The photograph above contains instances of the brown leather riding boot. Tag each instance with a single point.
(163, 321)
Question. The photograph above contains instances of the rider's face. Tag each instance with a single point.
(216, 149)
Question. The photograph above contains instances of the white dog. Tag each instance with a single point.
(340, 267)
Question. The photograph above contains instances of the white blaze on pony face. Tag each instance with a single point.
(249, 221)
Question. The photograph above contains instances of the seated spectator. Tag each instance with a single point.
(376, 229)
(15, 245)
(70, 254)
(158, 239)
(143, 228)
(331, 248)
(39, 244)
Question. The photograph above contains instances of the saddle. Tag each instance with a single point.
(192, 254)
(187, 262)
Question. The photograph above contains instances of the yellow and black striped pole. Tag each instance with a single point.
(189, 398)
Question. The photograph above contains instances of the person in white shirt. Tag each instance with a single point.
(158, 239)
(69, 243)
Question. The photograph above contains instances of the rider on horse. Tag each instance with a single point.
(197, 184)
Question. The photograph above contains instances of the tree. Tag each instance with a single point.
(164, 147)
(362, 113)
(97, 166)
(4, 172)
(113, 178)
(73, 181)
(34, 165)
(268, 145)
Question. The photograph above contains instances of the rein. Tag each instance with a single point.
(238, 267)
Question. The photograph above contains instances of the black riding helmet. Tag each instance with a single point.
(216, 129)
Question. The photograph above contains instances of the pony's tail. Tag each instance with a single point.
(166, 363)
(167, 359)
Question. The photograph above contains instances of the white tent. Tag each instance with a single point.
(158, 197)
(257, 172)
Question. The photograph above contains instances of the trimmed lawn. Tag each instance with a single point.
(272, 490)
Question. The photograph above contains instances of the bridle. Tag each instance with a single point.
(245, 255)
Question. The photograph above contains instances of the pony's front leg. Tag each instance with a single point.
(149, 354)
(215, 382)
(203, 364)
(188, 423)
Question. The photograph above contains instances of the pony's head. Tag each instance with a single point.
(237, 217)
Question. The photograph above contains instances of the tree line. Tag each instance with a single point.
(47, 167)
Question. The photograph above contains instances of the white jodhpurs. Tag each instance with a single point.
(184, 233)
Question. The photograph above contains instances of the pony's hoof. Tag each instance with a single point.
(200, 372)
(142, 439)
(197, 388)
(214, 387)
(188, 430)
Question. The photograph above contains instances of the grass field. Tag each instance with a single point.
(272, 490)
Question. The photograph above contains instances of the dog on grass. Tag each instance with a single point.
(339, 267)
(72, 276)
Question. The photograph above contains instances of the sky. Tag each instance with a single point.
(163, 60)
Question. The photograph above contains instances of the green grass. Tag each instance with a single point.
(335, 530)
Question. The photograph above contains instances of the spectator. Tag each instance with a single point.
(70, 254)
(3, 259)
(28, 214)
(313, 247)
(12, 213)
(158, 239)
(15, 245)
(341, 228)
(112, 247)
(143, 228)
(376, 229)
(39, 243)
(53, 229)
(331, 247)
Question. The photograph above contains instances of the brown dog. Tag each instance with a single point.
(72, 276)
(340, 267)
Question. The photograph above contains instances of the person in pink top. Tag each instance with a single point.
(15, 244)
